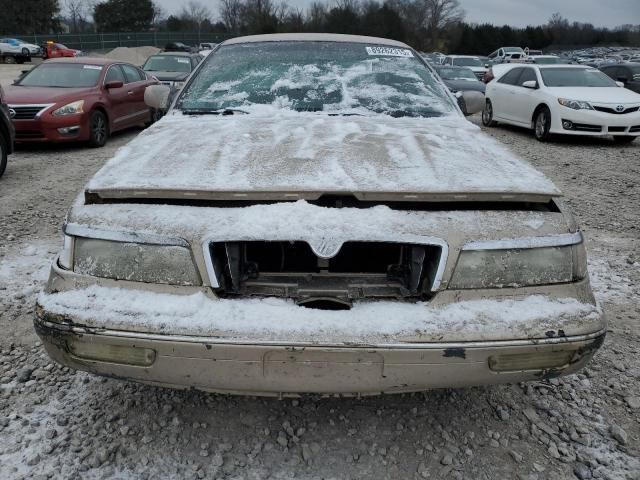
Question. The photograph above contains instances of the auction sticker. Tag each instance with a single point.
(389, 52)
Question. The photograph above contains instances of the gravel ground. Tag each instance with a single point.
(56, 423)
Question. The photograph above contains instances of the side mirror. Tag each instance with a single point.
(114, 84)
(157, 96)
(620, 84)
(470, 102)
(532, 84)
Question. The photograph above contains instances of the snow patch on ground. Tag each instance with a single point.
(25, 268)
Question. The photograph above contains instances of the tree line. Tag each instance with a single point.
(428, 25)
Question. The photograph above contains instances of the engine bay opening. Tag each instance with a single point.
(358, 270)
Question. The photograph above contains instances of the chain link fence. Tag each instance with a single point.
(89, 42)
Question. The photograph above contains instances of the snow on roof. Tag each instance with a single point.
(315, 37)
(278, 150)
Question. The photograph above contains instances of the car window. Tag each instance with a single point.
(467, 62)
(317, 76)
(511, 77)
(527, 75)
(575, 77)
(168, 63)
(62, 75)
(131, 73)
(114, 74)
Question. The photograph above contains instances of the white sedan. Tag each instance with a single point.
(568, 99)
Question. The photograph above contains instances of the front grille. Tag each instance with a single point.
(28, 134)
(359, 270)
(27, 112)
(614, 111)
(617, 129)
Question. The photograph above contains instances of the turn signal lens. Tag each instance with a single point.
(530, 361)
(142, 357)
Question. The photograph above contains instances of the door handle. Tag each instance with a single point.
(130, 92)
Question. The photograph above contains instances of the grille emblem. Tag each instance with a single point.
(12, 113)
(620, 108)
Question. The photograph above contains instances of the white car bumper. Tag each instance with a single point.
(568, 121)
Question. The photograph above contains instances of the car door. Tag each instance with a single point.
(119, 103)
(136, 83)
(504, 92)
(523, 101)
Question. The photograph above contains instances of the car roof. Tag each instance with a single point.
(87, 60)
(463, 56)
(315, 37)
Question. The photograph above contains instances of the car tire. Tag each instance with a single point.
(26, 52)
(542, 124)
(4, 149)
(98, 129)
(623, 140)
(9, 59)
(487, 115)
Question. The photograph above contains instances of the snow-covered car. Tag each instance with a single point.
(568, 99)
(472, 62)
(20, 46)
(507, 54)
(315, 214)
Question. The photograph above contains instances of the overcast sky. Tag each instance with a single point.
(605, 13)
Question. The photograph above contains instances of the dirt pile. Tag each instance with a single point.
(135, 55)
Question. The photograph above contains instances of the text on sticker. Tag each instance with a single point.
(389, 52)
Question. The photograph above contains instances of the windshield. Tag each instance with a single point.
(467, 62)
(575, 77)
(317, 76)
(457, 74)
(69, 75)
(168, 63)
(513, 50)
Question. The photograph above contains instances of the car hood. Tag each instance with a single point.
(280, 154)
(168, 76)
(42, 95)
(612, 95)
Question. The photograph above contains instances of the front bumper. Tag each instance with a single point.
(595, 123)
(46, 128)
(236, 367)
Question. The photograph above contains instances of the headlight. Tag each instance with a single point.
(135, 262)
(575, 104)
(70, 109)
(519, 267)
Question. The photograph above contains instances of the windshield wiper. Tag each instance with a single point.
(221, 111)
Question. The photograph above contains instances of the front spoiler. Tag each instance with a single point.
(283, 369)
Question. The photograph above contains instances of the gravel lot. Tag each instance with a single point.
(56, 423)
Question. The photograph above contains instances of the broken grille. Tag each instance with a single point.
(358, 270)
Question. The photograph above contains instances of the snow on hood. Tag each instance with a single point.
(281, 150)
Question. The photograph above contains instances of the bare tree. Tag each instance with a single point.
(195, 12)
(77, 11)
(159, 13)
(231, 12)
(441, 15)
(316, 16)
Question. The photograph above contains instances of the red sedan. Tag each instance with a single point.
(78, 99)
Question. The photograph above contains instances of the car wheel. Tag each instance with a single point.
(542, 125)
(10, 59)
(26, 52)
(98, 129)
(4, 148)
(623, 139)
(487, 115)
